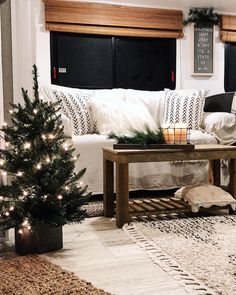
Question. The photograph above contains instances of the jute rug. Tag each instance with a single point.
(199, 252)
(33, 275)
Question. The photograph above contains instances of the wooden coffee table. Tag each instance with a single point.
(122, 158)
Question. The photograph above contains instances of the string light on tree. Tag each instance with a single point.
(11, 111)
(25, 193)
(35, 111)
(47, 160)
(2, 162)
(27, 145)
(19, 173)
(51, 136)
(43, 136)
(60, 197)
(66, 147)
(38, 166)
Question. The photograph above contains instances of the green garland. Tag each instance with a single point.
(147, 136)
(203, 16)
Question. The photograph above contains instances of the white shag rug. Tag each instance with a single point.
(199, 252)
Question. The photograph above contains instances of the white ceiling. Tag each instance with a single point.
(226, 6)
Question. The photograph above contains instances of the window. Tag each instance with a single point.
(89, 61)
(230, 67)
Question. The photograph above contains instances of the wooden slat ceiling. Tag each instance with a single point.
(107, 19)
(228, 28)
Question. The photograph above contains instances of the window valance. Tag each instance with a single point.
(228, 29)
(108, 19)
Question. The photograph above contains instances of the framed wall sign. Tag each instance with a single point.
(203, 49)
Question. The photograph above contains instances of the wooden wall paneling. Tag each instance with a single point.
(66, 15)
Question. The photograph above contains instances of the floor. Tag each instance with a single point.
(97, 251)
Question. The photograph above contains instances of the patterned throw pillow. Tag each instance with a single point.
(75, 105)
(184, 106)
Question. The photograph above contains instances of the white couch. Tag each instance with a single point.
(151, 176)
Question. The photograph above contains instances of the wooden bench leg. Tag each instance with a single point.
(232, 177)
(108, 188)
(122, 194)
(214, 172)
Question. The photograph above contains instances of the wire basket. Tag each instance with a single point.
(176, 133)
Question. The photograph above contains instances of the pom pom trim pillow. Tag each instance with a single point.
(205, 196)
(184, 106)
(120, 117)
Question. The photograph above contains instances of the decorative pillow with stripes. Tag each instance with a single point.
(75, 105)
(184, 106)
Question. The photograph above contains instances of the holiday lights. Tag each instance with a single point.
(38, 166)
(27, 145)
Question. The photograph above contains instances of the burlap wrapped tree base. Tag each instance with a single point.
(33, 275)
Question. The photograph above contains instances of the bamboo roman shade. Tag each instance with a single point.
(228, 29)
(116, 20)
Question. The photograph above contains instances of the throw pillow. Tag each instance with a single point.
(205, 196)
(74, 105)
(184, 107)
(119, 117)
(222, 102)
(221, 125)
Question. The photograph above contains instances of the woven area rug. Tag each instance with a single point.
(33, 275)
(199, 252)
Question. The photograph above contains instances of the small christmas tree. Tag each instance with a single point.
(39, 162)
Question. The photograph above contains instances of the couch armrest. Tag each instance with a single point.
(221, 125)
(68, 125)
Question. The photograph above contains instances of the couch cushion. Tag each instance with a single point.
(184, 107)
(120, 117)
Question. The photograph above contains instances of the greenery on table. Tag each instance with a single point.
(147, 136)
(39, 162)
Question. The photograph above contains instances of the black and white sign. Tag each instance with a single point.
(203, 50)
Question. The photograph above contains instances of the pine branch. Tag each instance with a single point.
(35, 81)
(147, 136)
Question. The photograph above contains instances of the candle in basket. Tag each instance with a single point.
(168, 132)
(180, 133)
(175, 133)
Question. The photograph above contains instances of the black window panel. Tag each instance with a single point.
(89, 61)
(230, 67)
(145, 64)
(86, 59)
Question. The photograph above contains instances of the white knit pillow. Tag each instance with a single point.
(184, 107)
(120, 117)
(75, 105)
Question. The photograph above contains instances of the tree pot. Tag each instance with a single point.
(38, 240)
